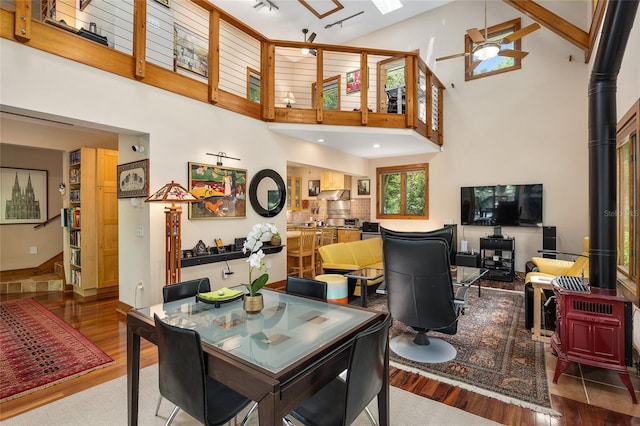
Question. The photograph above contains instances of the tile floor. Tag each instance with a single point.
(591, 385)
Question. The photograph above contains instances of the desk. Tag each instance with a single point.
(364, 275)
(279, 357)
(537, 333)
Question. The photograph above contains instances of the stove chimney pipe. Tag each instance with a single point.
(617, 25)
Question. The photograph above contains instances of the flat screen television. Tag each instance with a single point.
(501, 205)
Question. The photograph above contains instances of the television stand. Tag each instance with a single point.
(498, 256)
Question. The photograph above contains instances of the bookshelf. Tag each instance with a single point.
(92, 220)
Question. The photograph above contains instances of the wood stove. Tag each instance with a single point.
(593, 327)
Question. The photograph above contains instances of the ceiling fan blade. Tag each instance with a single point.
(313, 52)
(311, 38)
(518, 54)
(520, 33)
(457, 55)
(472, 66)
(475, 35)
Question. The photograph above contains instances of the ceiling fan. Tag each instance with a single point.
(312, 36)
(487, 49)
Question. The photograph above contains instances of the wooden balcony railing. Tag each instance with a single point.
(197, 50)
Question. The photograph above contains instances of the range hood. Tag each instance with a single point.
(334, 194)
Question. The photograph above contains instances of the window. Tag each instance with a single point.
(498, 64)
(253, 85)
(331, 93)
(403, 192)
(391, 75)
(628, 203)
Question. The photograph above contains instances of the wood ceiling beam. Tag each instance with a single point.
(553, 22)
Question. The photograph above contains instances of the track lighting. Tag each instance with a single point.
(306, 50)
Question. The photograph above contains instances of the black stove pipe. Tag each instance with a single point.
(617, 25)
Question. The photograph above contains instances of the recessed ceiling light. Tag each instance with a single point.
(320, 140)
(386, 6)
(376, 145)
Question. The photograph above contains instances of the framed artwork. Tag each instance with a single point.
(354, 81)
(165, 3)
(83, 4)
(221, 191)
(191, 51)
(23, 195)
(364, 186)
(314, 188)
(133, 179)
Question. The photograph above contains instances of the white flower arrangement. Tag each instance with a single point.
(253, 245)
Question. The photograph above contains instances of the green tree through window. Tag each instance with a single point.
(403, 192)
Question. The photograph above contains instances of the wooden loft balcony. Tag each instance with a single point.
(196, 50)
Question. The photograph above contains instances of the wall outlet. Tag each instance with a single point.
(140, 286)
(33, 250)
(226, 273)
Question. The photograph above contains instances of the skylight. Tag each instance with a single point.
(386, 6)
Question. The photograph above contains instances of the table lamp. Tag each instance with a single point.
(172, 193)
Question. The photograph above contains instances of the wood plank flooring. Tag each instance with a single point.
(99, 321)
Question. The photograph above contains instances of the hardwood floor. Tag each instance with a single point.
(99, 321)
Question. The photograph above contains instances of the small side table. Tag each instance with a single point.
(537, 333)
(364, 275)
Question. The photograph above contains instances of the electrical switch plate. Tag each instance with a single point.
(140, 231)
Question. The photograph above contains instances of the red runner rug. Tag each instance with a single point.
(38, 349)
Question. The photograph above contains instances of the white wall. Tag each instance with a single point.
(175, 130)
(525, 126)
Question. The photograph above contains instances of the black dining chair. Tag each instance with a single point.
(182, 290)
(184, 380)
(306, 287)
(341, 401)
(185, 289)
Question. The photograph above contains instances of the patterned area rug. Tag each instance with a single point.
(38, 349)
(496, 356)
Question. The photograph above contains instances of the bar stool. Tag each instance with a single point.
(327, 236)
(305, 253)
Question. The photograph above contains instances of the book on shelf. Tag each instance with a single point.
(74, 238)
(75, 257)
(74, 195)
(76, 277)
(76, 218)
(74, 157)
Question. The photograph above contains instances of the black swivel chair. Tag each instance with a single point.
(421, 295)
(341, 401)
(447, 233)
(306, 287)
(185, 289)
(184, 381)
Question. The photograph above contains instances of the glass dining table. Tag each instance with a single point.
(279, 357)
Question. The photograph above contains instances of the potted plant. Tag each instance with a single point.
(276, 240)
(253, 302)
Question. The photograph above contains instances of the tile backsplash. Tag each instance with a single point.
(360, 208)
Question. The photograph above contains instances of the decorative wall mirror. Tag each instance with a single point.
(267, 193)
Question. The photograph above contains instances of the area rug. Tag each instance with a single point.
(496, 356)
(38, 349)
(106, 405)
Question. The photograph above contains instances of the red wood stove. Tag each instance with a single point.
(593, 327)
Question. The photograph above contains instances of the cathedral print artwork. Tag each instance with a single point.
(23, 196)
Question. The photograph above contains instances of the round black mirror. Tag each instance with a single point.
(267, 193)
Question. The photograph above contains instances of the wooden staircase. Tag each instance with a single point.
(48, 277)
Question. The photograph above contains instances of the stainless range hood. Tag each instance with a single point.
(334, 194)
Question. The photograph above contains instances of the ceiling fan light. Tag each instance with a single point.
(304, 51)
(486, 51)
